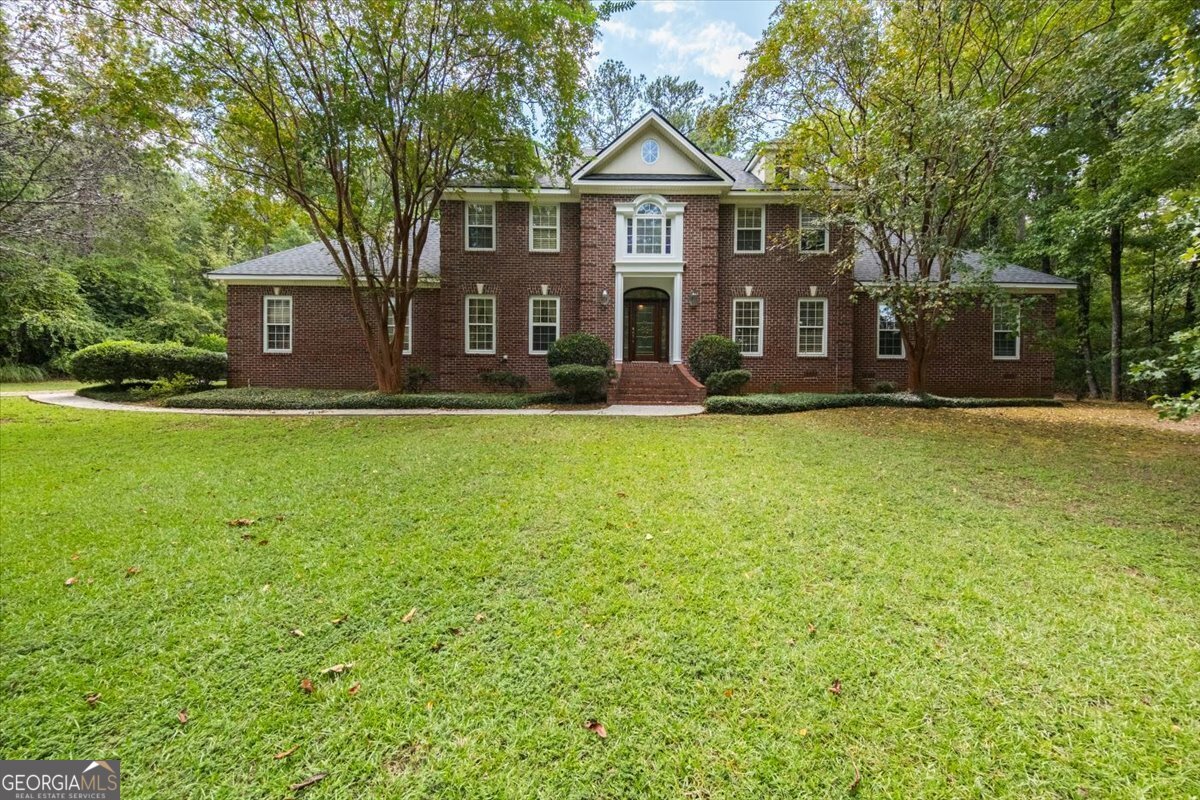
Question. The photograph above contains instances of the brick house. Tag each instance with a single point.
(650, 244)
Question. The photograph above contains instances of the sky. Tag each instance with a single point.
(695, 39)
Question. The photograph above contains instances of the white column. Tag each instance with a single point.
(619, 316)
(677, 320)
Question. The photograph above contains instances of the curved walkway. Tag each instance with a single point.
(72, 400)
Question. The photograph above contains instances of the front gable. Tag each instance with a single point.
(652, 149)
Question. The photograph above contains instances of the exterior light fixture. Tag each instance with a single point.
(605, 299)
(693, 298)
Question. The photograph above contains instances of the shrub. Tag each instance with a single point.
(314, 399)
(883, 387)
(417, 377)
(790, 403)
(728, 382)
(21, 373)
(165, 387)
(579, 348)
(118, 361)
(584, 383)
(213, 342)
(502, 378)
(712, 353)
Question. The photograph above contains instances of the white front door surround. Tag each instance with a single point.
(668, 277)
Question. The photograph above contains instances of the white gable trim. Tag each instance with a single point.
(677, 138)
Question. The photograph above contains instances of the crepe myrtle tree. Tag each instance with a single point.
(363, 114)
(898, 116)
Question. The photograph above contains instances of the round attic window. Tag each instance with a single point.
(650, 151)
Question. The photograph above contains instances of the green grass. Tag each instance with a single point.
(1009, 599)
(810, 401)
(41, 386)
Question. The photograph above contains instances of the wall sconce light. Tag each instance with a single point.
(605, 299)
(693, 298)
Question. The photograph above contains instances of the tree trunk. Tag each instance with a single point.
(1116, 243)
(1083, 298)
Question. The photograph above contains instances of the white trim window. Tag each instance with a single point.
(749, 229)
(543, 324)
(481, 226)
(748, 325)
(391, 326)
(1006, 331)
(648, 231)
(544, 220)
(813, 233)
(481, 324)
(889, 343)
(277, 324)
(812, 327)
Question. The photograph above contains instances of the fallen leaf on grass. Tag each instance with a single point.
(836, 687)
(429, 706)
(247, 537)
(93, 698)
(71, 581)
(74, 556)
(455, 631)
(286, 753)
(337, 669)
(853, 787)
(480, 617)
(436, 647)
(729, 692)
(596, 728)
(339, 620)
(182, 716)
(353, 690)
(804, 731)
(811, 629)
(263, 541)
(299, 634)
(307, 782)
(306, 686)
(129, 573)
(240, 522)
(409, 616)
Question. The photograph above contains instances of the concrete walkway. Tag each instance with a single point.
(72, 400)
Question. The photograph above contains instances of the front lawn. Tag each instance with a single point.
(877, 601)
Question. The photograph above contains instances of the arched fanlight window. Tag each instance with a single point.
(648, 231)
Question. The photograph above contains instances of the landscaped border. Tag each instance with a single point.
(791, 403)
(263, 399)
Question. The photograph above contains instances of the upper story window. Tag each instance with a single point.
(889, 344)
(748, 235)
(648, 231)
(391, 327)
(543, 227)
(814, 233)
(1006, 331)
(650, 151)
(277, 324)
(481, 226)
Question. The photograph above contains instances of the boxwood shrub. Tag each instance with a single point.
(711, 353)
(584, 383)
(313, 399)
(728, 382)
(789, 403)
(115, 362)
(578, 348)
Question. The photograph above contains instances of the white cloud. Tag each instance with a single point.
(713, 49)
(618, 29)
(665, 6)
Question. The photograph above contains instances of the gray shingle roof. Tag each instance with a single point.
(736, 167)
(867, 268)
(313, 261)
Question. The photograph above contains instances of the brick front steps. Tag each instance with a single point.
(655, 383)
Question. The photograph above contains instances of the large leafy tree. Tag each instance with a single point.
(615, 98)
(898, 118)
(676, 99)
(364, 114)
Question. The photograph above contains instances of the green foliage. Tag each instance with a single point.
(177, 321)
(712, 353)
(166, 387)
(1172, 376)
(754, 404)
(299, 399)
(417, 377)
(584, 383)
(213, 342)
(883, 387)
(727, 382)
(115, 362)
(579, 348)
(21, 373)
(504, 379)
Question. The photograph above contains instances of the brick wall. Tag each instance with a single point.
(962, 363)
(513, 274)
(781, 276)
(328, 349)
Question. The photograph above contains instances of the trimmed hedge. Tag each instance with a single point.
(314, 399)
(578, 348)
(711, 353)
(584, 383)
(789, 403)
(115, 362)
(728, 382)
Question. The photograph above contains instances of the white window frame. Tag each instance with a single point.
(1016, 310)
(557, 228)
(800, 229)
(666, 244)
(557, 321)
(467, 325)
(391, 326)
(879, 329)
(467, 227)
(762, 228)
(762, 323)
(291, 326)
(824, 327)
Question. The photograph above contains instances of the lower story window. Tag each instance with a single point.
(391, 327)
(543, 324)
(747, 325)
(481, 324)
(277, 324)
(811, 327)
(890, 344)
(1006, 331)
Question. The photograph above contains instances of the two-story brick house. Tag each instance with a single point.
(649, 244)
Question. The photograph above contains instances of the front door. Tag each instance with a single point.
(646, 328)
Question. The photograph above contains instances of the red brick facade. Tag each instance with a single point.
(328, 350)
